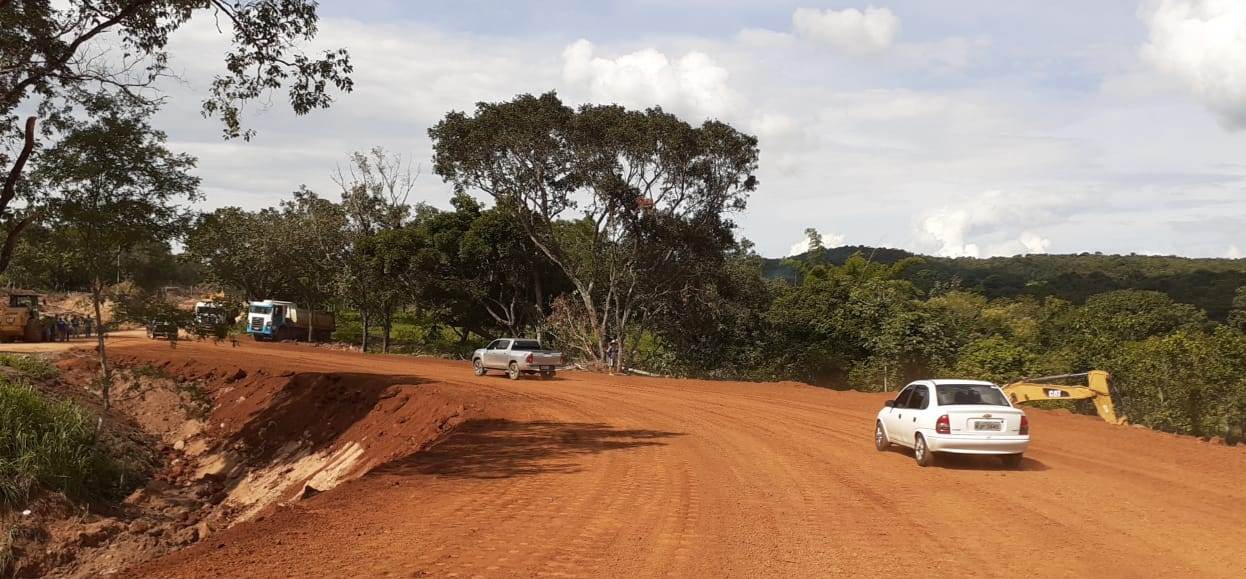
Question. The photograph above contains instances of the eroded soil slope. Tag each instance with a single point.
(594, 475)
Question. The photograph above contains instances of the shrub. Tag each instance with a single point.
(52, 444)
(32, 366)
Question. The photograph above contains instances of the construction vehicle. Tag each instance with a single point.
(1095, 388)
(21, 320)
(209, 315)
(278, 320)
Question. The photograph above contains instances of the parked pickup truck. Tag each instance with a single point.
(515, 357)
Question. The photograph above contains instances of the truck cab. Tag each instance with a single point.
(266, 318)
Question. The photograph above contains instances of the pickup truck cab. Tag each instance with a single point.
(516, 357)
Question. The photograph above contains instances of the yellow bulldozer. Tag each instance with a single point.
(20, 319)
(1093, 387)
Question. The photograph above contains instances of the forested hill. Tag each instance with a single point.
(1206, 283)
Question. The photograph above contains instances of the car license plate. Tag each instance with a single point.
(988, 425)
(547, 368)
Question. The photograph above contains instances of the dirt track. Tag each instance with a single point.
(602, 476)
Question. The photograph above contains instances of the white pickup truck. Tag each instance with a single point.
(516, 357)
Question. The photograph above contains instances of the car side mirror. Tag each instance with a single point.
(890, 403)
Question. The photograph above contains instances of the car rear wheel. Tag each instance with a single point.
(921, 452)
(1011, 460)
(479, 367)
(512, 371)
(880, 437)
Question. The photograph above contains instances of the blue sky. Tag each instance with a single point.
(969, 127)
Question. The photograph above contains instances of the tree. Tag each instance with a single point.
(375, 187)
(57, 54)
(313, 228)
(612, 197)
(117, 187)
(1237, 315)
(240, 250)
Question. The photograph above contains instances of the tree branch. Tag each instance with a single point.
(10, 182)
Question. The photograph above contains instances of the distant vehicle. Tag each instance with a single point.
(162, 328)
(278, 320)
(210, 315)
(516, 357)
(953, 416)
(20, 320)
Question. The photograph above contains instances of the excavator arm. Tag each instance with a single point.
(1095, 389)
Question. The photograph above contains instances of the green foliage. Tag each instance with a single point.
(35, 367)
(52, 445)
(1189, 381)
(996, 359)
(628, 205)
(1207, 284)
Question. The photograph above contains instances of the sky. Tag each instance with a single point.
(955, 128)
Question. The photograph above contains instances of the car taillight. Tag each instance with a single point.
(528, 359)
(943, 425)
(1025, 425)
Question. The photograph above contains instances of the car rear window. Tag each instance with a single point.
(526, 345)
(970, 394)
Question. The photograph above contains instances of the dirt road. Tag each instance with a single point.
(78, 342)
(596, 476)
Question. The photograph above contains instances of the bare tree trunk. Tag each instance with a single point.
(105, 370)
(387, 324)
(366, 328)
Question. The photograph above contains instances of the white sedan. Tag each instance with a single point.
(953, 416)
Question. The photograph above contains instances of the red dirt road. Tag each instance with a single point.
(598, 476)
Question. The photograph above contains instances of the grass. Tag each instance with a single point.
(33, 366)
(52, 445)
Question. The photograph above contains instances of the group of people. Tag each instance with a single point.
(62, 328)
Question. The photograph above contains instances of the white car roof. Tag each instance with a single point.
(939, 381)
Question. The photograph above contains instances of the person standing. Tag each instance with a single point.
(612, 355)
(86, 326)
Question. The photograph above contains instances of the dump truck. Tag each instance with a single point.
(280, 320)
(210, 315)
(20, 320)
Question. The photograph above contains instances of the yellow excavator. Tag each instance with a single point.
(1094, 388)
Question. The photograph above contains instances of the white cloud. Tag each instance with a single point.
(1234, 253)
(1202, 45)
(692, 84)
(852, 31)
(999, 220)
(1033, 242)
(828, 240)
(948, 227)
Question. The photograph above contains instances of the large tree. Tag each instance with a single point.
(613, 197)
(375, 186)
(239, 250)
(116, 187)
(52, 53)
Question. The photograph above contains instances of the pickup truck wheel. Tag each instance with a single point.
(479, 367)
(512, 371)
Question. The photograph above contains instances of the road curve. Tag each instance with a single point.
(600, 476)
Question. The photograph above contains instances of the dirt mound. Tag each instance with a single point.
(269, 435)
(235, 439)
